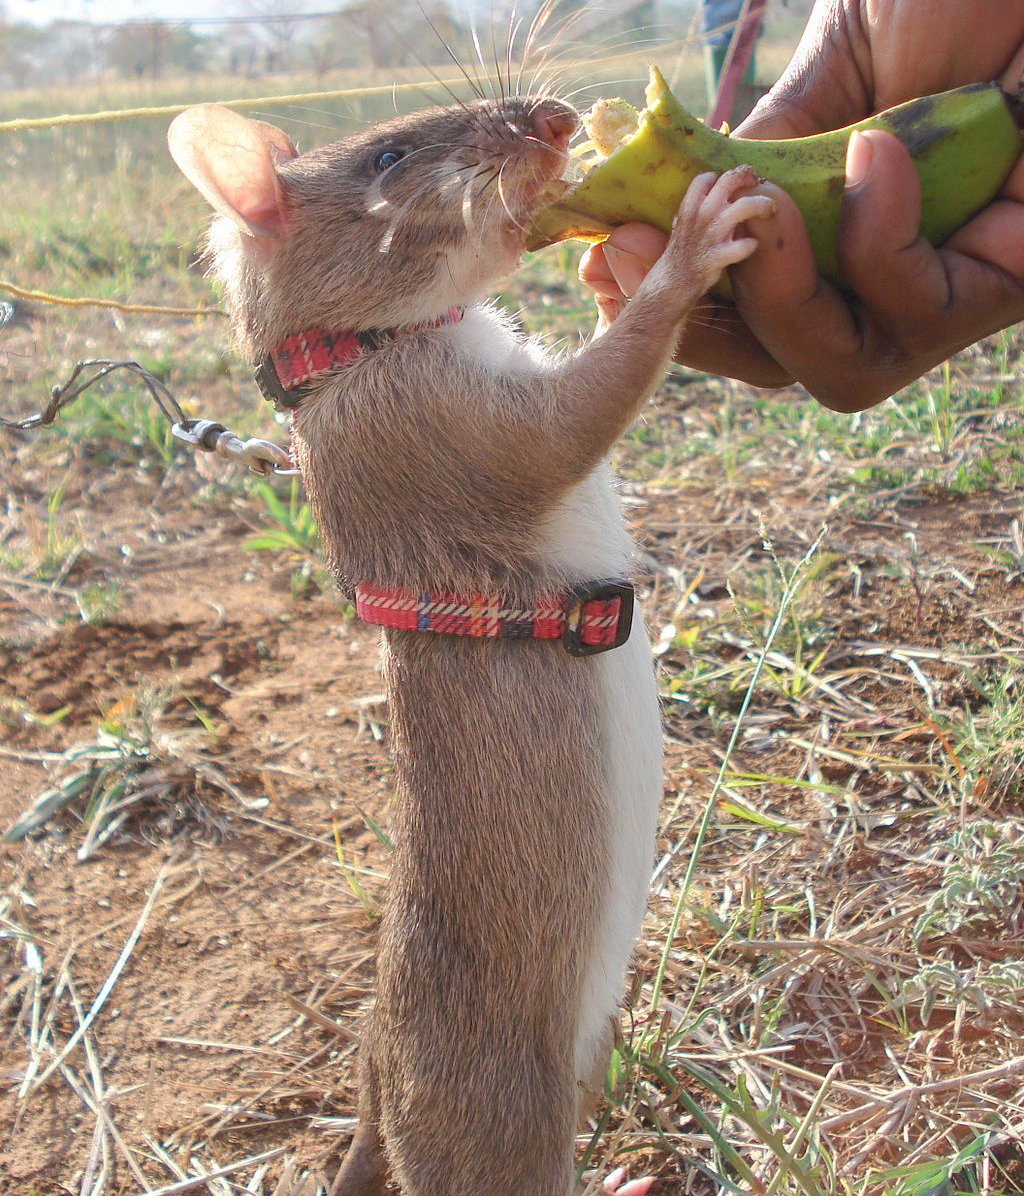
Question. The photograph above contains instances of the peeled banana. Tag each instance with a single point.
(964, 144)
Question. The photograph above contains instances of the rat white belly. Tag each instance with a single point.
(585, 537)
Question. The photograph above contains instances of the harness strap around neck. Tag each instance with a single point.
(284, 374)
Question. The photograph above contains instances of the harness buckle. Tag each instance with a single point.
(271, 388)
(576, 603)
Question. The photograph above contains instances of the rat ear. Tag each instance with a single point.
(232, 162)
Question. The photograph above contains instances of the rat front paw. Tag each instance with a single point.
(704, 239)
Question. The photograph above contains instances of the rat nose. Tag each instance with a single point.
(554, 123)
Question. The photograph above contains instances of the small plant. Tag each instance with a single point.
(97, 602)
(982, 878)
(132, 760)
(295, 534)
(940, 418)
(1012, 557)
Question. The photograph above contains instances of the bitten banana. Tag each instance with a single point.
(963, 143)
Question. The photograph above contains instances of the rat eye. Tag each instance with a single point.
(387, 159)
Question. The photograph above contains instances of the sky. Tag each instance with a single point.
(41, 12)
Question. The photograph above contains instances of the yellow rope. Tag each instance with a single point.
(84, 118)
(152, 309)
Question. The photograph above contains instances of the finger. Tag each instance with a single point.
(635, 248)
(636, 1187)
(802, 322)
(697, 192)
(736, 250)
(735, 180)
(1013, 76)
(749, 207)
(608, 311)
(594, 274)
(593, 271)
(826, 85)
(715, 340)
(626, 268)
(889, 265)
(926, 302)
(995, 239)
(644, 240)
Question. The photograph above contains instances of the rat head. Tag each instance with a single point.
(388, 227)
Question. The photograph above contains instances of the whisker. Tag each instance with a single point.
(603, 86)
(497, 66)
(483, 223)
(541, 144)
(558, 39)
(469, 195)
(513, 29)
(480, 55)
(501, 195)
(540, 19)
(474, 86)
(467, 204)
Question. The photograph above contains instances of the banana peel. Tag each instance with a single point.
(964, 143)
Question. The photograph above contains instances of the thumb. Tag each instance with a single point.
(887, 263)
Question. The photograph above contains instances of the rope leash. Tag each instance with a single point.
(148, 309)
(64, 120)
(261, 456)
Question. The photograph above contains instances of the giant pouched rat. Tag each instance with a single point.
(452, 455)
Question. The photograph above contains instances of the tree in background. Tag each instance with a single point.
(147, 49)
(275, 24)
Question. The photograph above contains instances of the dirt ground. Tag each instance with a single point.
(253, 908)
(229, 1029)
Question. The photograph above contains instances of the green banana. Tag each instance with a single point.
(964, 144)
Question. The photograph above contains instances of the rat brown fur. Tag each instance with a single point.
(463, 458)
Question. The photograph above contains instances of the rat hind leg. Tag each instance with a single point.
(364, 1170)
(500, 1124)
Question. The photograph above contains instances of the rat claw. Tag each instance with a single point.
(635, 1187)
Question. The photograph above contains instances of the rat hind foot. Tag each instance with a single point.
(613, 1185)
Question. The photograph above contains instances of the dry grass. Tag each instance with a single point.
(828, 994)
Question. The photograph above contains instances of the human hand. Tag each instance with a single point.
(911, 305)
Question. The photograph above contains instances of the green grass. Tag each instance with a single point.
(858, 790)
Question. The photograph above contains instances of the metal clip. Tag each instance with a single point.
(260, 456)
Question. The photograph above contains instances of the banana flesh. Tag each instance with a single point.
(964, 144)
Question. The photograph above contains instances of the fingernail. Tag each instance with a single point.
(627, 269)
(859, 153)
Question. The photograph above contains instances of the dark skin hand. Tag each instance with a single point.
(912, 306)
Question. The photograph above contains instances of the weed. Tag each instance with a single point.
(98, 601)
(295, 535)
(982, 877)
(14, 711)
(132, 760)
(351, 874)
(940, 418)
(1012, 557)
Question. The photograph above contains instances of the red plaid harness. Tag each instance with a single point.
(592, 617)
(283, 374)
